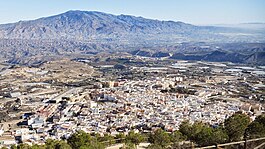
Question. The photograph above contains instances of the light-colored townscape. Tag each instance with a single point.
(59, 98)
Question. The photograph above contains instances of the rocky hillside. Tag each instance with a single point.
(98, 26)
(77, 34)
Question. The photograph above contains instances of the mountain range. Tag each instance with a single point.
(76, 33)
(92, 25)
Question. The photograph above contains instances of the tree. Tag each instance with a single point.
(23, 146)
(177, 136)
(203, 138)
(219, 136)
(203, 134)
(236, 125)
(13, 146)
(108, 139)
(79, 139)
(50, 144)
(257, 127)
(56, 144)
(94, 145)
(129, 145)
(62, 145)
(185, 129)
(120, 138)
(261, 119)
(160, 138)
(190, 130)
(82, 140)
(134, 138)
(36, 146)
(155, 146)
(210, 136)
(195, 129)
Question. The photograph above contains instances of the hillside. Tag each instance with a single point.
(91, 26)
(76, 34)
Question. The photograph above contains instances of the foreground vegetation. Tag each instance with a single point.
(235, 128)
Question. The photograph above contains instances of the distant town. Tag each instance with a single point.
(121, 94)
(132, 74)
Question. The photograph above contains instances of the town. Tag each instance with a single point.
(118, 94)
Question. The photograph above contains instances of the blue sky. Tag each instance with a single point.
(190, 11)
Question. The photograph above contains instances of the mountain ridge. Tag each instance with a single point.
(81, 33)
(85, 24)
(90, 25)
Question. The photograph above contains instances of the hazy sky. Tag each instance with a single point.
(190, 11)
